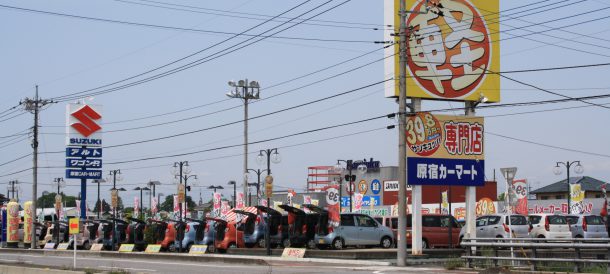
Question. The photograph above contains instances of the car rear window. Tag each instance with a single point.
(535, 219)
(594, 220)
(431, 221)
(557, 220)
(493, 220)
(517, 220)
(572, 219)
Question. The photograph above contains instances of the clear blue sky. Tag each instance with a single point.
(65, 55)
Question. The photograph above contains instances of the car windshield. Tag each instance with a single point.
(517, 220)
(594, 220)
(557, 220)
(572, 219)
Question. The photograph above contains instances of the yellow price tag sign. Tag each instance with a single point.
(74, 226)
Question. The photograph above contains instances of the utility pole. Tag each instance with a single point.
(33, 106)
(401, 254)
(246, 91)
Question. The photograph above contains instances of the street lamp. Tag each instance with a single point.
(349, 178)
(152, 184)
(234, 192)
(250, 194)
(213, 202)
(272, 156)
(579, 169)
(141, 189)
(96, 181)
(258, 176)
(59, 183)
(246, 91)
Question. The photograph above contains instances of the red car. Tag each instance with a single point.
(435, 229)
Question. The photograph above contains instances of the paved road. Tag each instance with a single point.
(173, 267)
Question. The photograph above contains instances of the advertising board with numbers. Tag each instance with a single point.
(453, 49)
(445, 150)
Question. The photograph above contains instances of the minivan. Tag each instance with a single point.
(587, 226)
(549, 226)
(354, 229)
(499, 226)
(435, 231)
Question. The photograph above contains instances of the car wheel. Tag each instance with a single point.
(211, 249)
(424, 244)
(338, 244)
(188, 247)
(286, 242)
(87, 245)
(261, 242)
(311, 244)
(386, 242)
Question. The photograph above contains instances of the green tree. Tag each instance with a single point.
(105, 206)
(168, 204)
(49, 200)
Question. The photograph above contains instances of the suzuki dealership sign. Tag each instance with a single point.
(452, 48)
(84, 141)
(445, 150)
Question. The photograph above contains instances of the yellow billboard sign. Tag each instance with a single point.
(453, 50)
(74, 226)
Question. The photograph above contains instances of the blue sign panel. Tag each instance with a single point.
(438, 171)
(83, 174)
(3, 224)
(367, 200)
(345, 201)
(375, 186)
(84, 152)
(84, 163)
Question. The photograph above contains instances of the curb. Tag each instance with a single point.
(237, 259)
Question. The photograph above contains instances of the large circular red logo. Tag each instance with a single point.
(448, 48)
(424, 134)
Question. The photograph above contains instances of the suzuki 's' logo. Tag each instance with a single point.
(85, 116)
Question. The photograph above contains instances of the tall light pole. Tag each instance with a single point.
(141, 189)
(246, 91)
(59, 182)
(349, 178)
(115, 175)
(578, 169)
(258, 180)
(182, 170)
(98, 196)
(152, 184)
(234, 192)
(272, 156)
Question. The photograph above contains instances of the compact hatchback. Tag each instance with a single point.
(587, 226)
(354, 229)
(500, 226)
(549, 226)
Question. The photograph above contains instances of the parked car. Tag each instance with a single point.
(435, 231)
(587, 226)
(549, 226)
(278, 223)
(354, 229)
(499, 226)
(253, 229)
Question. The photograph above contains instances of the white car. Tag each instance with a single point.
(587, 226)
(549, 226)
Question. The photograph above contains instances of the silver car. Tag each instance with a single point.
(354, 229)
(587, 226)
(499, 226)
(549, 226)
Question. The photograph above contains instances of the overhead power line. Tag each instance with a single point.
(181, 28)
(199, 61)
(235, 14)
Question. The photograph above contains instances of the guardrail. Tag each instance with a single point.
(534, 247)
